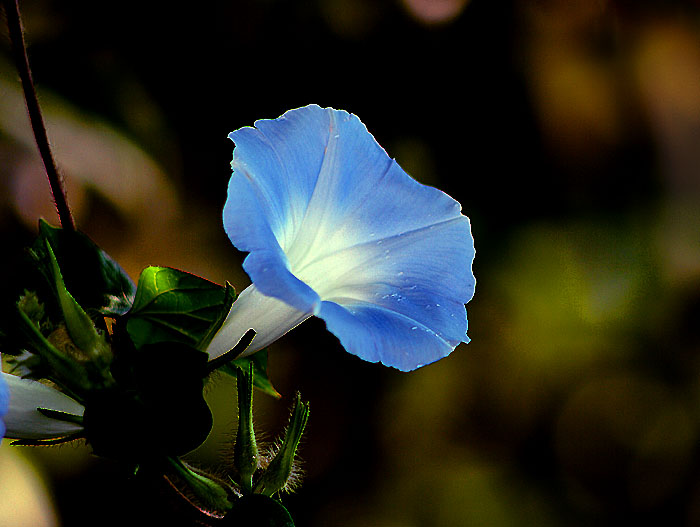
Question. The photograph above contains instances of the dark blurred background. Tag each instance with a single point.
(570, 132)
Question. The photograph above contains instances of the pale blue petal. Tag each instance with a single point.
(246, 220)
(282, 159)
(418, 280)
(266, 269)
(377, 335)
(363, 195)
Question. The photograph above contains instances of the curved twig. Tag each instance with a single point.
(19, 51)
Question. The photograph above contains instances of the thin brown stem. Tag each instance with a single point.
(19, 50)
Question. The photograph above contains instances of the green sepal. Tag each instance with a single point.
(175, 306)
(278, 474)
(46, 442)
(258, 510)
(229, 299)
(94, 279)
(261, 380)
(80, 327)
(234, 352)
(61, 416)
(209, 492)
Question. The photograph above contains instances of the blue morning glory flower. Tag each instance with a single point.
(336, 229)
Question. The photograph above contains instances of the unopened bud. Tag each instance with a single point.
(279, 472)
(245, 453)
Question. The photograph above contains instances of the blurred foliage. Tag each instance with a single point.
(569, 133)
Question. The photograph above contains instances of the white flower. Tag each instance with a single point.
(24, 420)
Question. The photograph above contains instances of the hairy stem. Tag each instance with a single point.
(19, 50)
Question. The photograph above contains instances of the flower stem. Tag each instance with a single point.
(19, 50)
(245, 453)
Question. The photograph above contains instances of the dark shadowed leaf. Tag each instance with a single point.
(258, 510)
(94, 279)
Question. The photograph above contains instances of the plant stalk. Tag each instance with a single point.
(19, 51)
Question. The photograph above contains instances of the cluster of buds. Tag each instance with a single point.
(126, 374)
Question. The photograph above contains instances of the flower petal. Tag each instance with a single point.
(362, 196)
(282, 159)
(418, 278)
(377, 334)
(4, 403)
(256, 217)
(24, 421)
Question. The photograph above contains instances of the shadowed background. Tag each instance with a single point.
(568, 130)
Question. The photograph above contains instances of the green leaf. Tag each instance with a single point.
(260, 378)
(258, 510)
(90, 274)
(175, 306)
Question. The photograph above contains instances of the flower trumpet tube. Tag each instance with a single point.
(335, 228)
(38, 412)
